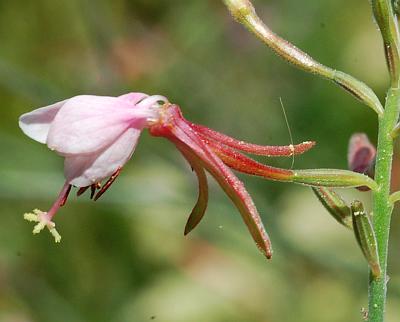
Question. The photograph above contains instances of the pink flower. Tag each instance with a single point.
(97, 136)
(361, 156)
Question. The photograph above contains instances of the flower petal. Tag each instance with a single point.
(36, 124)
(361, 154)
(82, 171)
(87, 123)
(133, 98)
(152, 101)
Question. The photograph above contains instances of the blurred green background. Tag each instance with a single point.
(124, 258)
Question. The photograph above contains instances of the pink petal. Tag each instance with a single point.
(87, 124)
(82, 171)
(133, 98)
(36, 124)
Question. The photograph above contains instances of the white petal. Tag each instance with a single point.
(152, 101)
(36, 124)
(86, 124)
(82, 171)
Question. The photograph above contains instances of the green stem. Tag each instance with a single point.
(382, 208)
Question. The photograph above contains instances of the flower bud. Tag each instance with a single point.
(365, 236)
(239, 8)
(361, 154)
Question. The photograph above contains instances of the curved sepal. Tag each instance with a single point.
(184, 137)
(244, 164)
(265, 150)
(199, 209)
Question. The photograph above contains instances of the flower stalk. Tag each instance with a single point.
(382, 207)
(243, 11)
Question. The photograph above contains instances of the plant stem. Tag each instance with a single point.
(382, 208)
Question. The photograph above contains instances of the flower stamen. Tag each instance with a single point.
(107, 184)
(93, 187)
(64, 199)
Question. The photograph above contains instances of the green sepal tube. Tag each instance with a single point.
(365, 235)
(335, 205)
(334, 178)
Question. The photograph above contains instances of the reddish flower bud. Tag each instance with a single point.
(361, 154)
